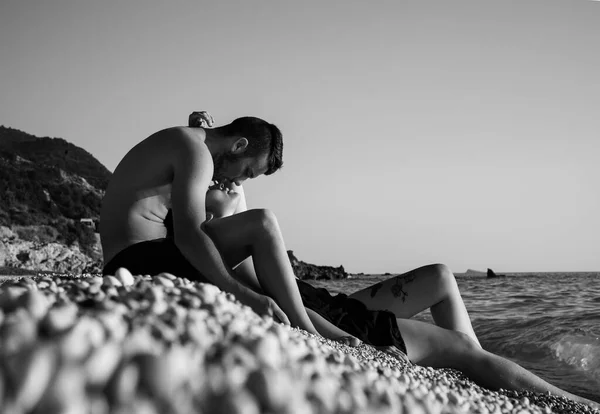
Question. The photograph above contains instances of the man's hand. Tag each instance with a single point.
(200, 119)
(264, 305)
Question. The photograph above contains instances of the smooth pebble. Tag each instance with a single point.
(124, 276)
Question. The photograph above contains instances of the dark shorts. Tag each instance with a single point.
(153, 257)
(352, 316)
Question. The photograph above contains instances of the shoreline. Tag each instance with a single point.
(179, 346)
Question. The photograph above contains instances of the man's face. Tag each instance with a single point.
(233, 168)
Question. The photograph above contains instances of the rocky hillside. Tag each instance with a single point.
(48, 185)
(55, 152)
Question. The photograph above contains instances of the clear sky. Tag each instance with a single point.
(460, 132)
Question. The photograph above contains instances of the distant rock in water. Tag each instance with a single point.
(306, 271)
(471, 272)
(491, 274)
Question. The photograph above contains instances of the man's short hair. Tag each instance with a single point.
(262, 136)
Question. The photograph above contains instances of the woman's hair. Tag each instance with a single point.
(262, 136)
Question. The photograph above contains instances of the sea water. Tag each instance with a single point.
(548, 323)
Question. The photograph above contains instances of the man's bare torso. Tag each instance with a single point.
(139, 194)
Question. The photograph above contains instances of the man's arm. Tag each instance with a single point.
(192, 173)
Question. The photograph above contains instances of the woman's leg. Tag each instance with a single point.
(432, 346)
(432, 286)
(256, 233)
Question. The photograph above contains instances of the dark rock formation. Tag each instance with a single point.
(306, 271)
(491, 273)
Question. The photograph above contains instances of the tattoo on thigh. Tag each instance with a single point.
(398, 287)
(375, 288)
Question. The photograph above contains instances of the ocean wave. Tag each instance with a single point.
(581, 352)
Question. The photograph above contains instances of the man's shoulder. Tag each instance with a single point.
(184, 139)
(192, 135)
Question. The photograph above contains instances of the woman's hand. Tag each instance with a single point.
(200, 119)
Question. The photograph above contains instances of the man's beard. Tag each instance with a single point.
(220, 161)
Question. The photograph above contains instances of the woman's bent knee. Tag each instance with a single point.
(441, 273)
(441, 269)
(265, 220)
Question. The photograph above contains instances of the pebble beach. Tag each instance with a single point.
(165, 344)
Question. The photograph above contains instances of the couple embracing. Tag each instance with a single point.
(176, 204)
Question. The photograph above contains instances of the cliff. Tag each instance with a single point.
(55, 152)
(48, 186)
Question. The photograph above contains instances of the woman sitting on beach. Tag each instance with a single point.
(380, 315)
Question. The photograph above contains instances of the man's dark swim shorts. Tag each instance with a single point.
(352, 316)
(153, 257)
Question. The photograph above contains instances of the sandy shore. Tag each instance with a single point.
(134, 344)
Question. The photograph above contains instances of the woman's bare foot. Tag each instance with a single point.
(393, 351)
(348, 340)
